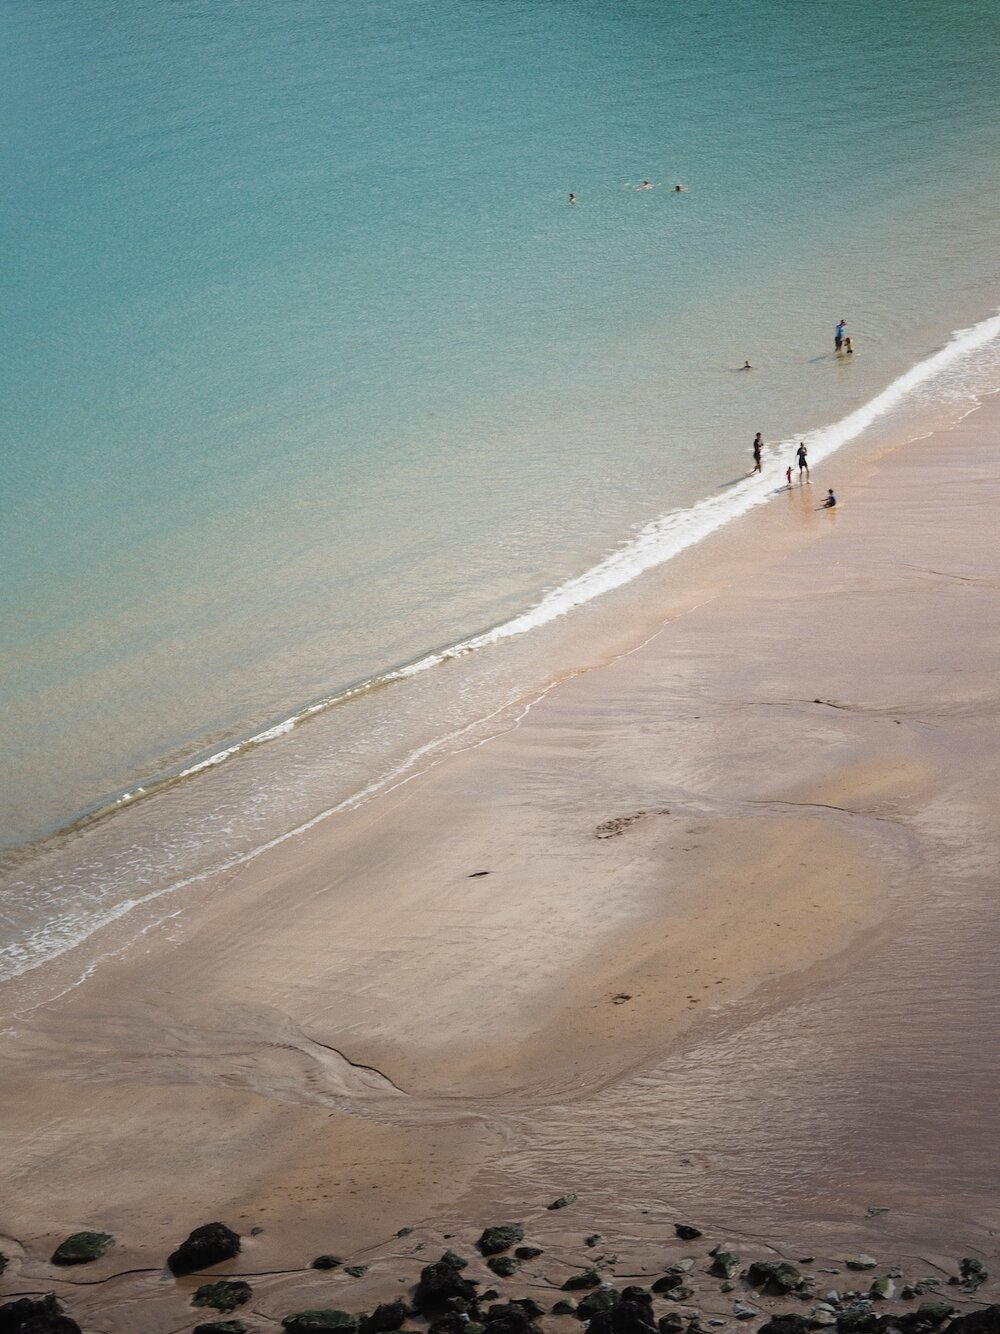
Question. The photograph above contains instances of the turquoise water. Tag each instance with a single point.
(310, 369)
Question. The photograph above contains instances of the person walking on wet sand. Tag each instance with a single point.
(802, 461)
(758, 447)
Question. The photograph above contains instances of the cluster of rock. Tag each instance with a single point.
(447, 1301)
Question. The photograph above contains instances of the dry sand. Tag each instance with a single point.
(719, 867)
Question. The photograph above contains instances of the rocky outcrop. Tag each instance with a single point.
(384, 1319)
(439, 1284)
(36, 1315)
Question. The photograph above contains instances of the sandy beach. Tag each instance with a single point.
(708, 932)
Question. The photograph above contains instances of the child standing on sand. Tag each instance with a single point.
(788, 475)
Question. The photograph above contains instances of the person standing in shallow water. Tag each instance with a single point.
(758, 447)
(839, 335)
(802, 461)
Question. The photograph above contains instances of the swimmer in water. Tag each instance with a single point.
(747, 366)
(848, 345)
(647, 185)
(572, 197)
(679, 188)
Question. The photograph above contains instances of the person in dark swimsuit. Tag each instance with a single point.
(758, 446)
(802, 461)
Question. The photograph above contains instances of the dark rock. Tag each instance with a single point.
(15, 1315)
(206, 1246)
(785, 1324)
(514, 1321)
(633, 1293)
(727, 1286)
(674, 1276)
(439, 1282)
(385, 1318)
(671, 1323)
(82, 1247)
(305, 1322)
(356, 1271)
(858, 1318)
(743, 1312)
(326, 1262)
(686, 1232)
(682, 1293)
(404, 1231)
(456, 1261)
(564, 1307)
(724, 1264)
(601, 1300)
(973, 1273)
(936, 1313)
(490, 1295)
(525, 1305)
(221, 1327)
(775, 1276)
(625, 1318)
(861, 1262)
(454, 1322)
(4, 1262)
(504, 1266)
(525, 1252)
(592, 1240)
(587, 1278)
(562, 1202)
(986, 1321)
(223, 1296)
(50, 1324)
(254, 1232)
(497, 1239)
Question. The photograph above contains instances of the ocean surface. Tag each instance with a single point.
(322, 405)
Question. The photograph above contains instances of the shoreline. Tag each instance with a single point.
(776, 800)
(617, 622)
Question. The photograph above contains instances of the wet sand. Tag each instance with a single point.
(732, 956)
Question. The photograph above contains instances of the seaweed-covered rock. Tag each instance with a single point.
(206, 1246)
(385, 1318)
(356, 1271)
(986, 1321)
(438, 1283)
(671, 1323)
(497, 1239)
(221, 1327)
(973, 1272)
(857, 1318)
(687, 1232)
(326, 1262)
(682, 1293)
(625, 1318)
(15, 1315)
(592, 1240)
(633, 1293)
(564, 1307)
(309, 1322)
(528, 1252)
(595, 1302)
(674, 1276)
(456, 1261)
(775, 1276)
(562, 1202)
(882, 1289)
(452, 1322)
(504, 1266)
(587, 1278)
(222, 1296)
(724, 1264)
(82, 1248)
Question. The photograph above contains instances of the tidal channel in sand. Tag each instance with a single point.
(733, 955)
